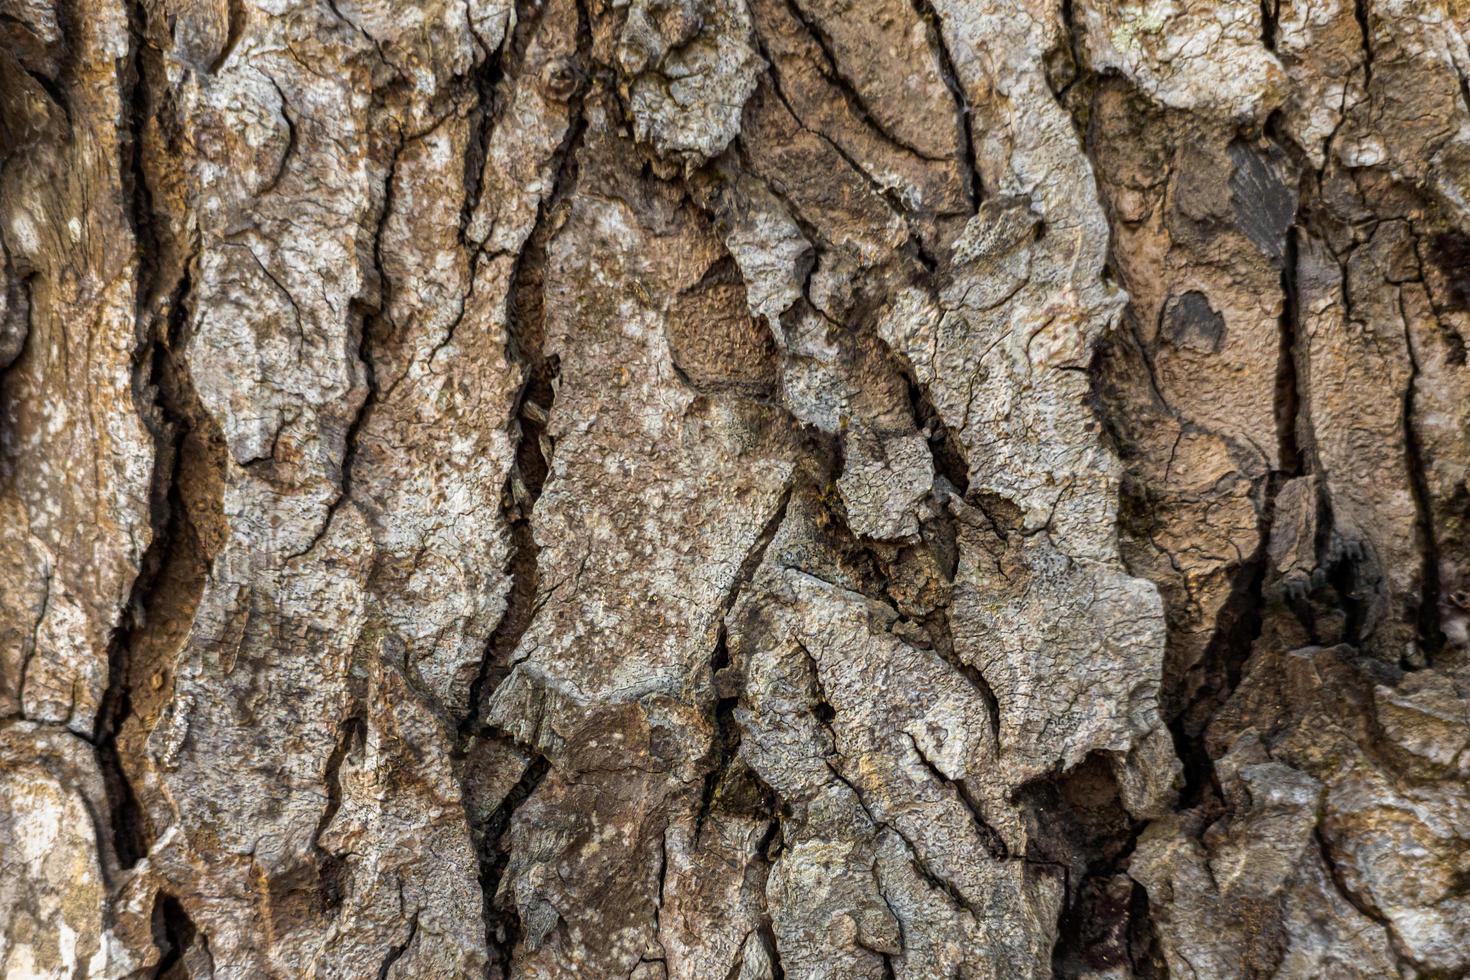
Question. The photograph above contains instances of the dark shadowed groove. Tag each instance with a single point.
(1431, 635)
(1144, 947)
(938, 627)
(396, 953)
(1089, 837)
(1068, 14)
(1288, 395)
(235, 28)
(767, 935)
(974, 185)
(53, 91)
(503, 925)
(1365, 30)
(131, 833)
(526, 347)
(487, 79)
(370, 317)
(945, 446)
(726, 741)
(349, 734)
(1240, 624)
(989, 837)
(174, 933)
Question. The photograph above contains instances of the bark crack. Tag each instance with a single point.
(832, 71)
(396, 953)
(132, 836)
(887, 195)
(1360, 14)
(1288, 397)
(1431, 635)
(974, 183)
(370, 316)
(502, 921)
(525, 346)
(989, 837)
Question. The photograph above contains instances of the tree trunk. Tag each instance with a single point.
(734, 488)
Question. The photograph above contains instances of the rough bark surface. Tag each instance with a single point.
(734, 489)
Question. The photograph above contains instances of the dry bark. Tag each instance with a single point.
(734, 488)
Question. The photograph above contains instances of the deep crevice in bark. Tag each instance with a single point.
(1365, 30)
(768, 938)
(937, 625)
(534, 403)
(1269, 14)
(1241, 622)
(1075, 66)
(945, 446)
(372, 323)
(350, 735)
(724, 684)
(234, 30)
(974, 184)
(486, 79)
(1288, 397)
(725, 743)
(1430, 634)
(526, 347)
(132, 834)
(503, 922)
(1079, 826)
(174, 933)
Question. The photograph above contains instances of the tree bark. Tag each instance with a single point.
(734, 488)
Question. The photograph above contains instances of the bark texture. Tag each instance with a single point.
(734, 489)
